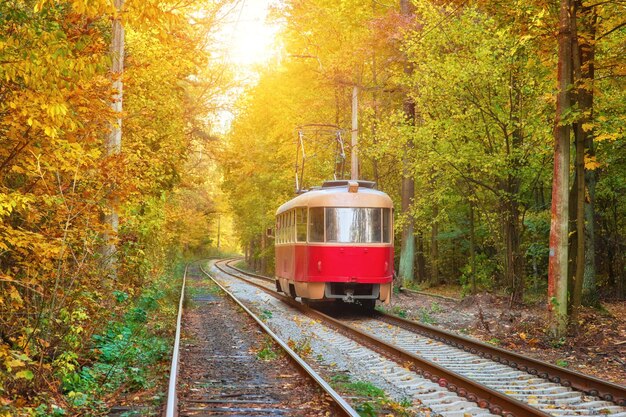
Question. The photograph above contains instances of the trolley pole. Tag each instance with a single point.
(354, 159)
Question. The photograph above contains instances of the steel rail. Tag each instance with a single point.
(565, 377)
(428, 294)
(485, 397)
(251, 274)
(341, 403)
(587, 384)
(172, 398)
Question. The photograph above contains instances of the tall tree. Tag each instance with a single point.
(113, 142)
(407, 246)
(557, 270)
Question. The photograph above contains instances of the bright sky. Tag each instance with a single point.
(247, 36)
(247, 40)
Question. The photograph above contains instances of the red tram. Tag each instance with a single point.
(336, 242)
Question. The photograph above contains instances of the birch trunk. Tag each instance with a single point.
(113, 142)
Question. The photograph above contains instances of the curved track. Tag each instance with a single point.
(482, 373)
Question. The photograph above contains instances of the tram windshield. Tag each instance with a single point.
(353, 225)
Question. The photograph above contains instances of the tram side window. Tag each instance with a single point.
(386, 225)
(316, 224)
(301, 224)
(279, 229)
(282, 228)
(292, 227)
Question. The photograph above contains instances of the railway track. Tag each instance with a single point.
(215, 371)
(504, 382)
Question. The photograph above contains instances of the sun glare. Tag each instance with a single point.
(250, 38)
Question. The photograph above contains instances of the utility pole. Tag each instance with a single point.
(354, 159)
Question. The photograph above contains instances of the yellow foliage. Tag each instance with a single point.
(591, 163)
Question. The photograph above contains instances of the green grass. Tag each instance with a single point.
(425, 316)
(494, 341)
(562, 363)
(357, 388)
(130, 353)
(397, 311)
(373, 400)
(267, 351)
(265, 315)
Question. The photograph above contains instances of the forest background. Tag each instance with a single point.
(457, 105)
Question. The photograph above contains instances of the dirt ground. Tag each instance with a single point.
(228, 365)
(596, 344)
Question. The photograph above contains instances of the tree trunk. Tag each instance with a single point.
(586, 42)
(113, 142)
(263, 257)
(434, 249)
(579, 141)
(515, 258)
(580, 224)
(618, 258)
(422, 274)
(571, 240)
(557, 266)
(590, 290)
(514, 265)
(407, 247)
(472, 246)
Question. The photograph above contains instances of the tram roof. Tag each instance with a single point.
(338, 196)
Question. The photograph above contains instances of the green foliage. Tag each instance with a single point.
(56, 182)
(267, 350)
(265, 315)
(485, 275)
(398, 311)
(494, 341)
(562, 363)
(344, 383)
(126, 354)
(435, 307)
(371, 400)
(425, 316)
(558, 343)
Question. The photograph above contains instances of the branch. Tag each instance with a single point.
(466, 178)
(12, 281)
(621, 25)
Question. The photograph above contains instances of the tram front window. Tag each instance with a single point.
(353, 225)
